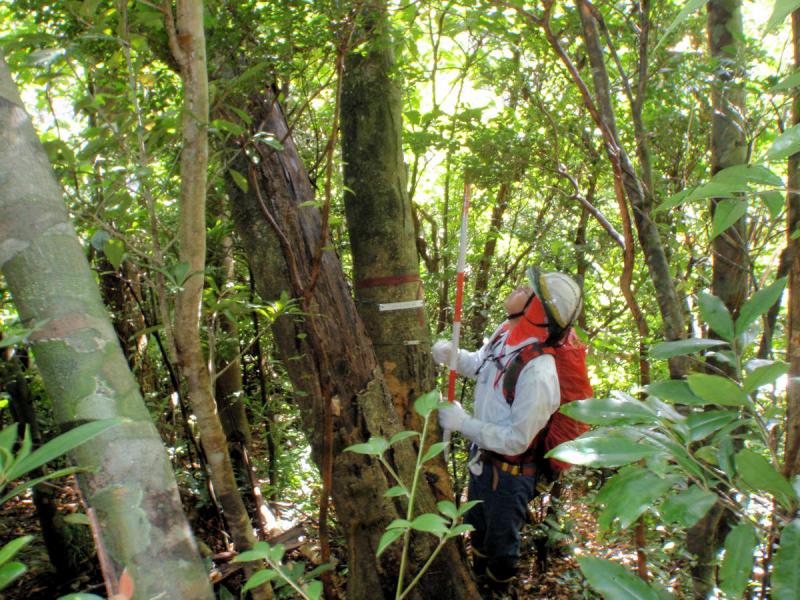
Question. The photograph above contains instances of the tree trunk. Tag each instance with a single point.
(329, 354)
(187, 42)
(129, 484)
(379, 220)
(792, 459)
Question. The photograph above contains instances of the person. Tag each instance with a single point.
(504, 468)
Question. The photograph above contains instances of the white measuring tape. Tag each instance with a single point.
(400, 305)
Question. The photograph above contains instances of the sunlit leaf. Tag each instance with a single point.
(389, 536)
(613, 581)
(676, 392)
(430, 523)
(786, 574)
(687, 507)
(758, 304)
(11, 571)
(609, 411)
(717, 389)
(602, 450)
(780, 10)
(716, 314)
(666, 350)
(785, 144)
(787, 83)
(726, 214)
(630, 493)
(8, 551)
(690, 7)
(427, 403)
(757, 472)
(375, 447)
(703, 424)
(765, 374)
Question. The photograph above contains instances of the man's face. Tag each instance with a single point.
(516, 300)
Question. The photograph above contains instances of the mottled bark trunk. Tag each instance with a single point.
(129, 483)
(379, 220)
(649, 237)
(792, 459)
(329, 352)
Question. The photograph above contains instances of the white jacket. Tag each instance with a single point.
(495, 425)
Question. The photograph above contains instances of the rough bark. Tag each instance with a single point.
(379, 219)
(792, 459)
(280, 239)
(129, 485)
(187, 41)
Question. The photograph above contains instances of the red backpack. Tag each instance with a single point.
(573, 379)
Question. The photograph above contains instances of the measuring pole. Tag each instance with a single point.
(462, 259)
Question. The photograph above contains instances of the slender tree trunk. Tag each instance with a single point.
(129, 484)
(333, 366)
(792, 460)
(187, 42)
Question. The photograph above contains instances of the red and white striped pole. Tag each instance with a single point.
(462, 259)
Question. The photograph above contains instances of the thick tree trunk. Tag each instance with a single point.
(379, 220)
(329, 358)
(129, 484)
(187, 42)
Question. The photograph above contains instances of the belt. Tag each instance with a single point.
(527, 469)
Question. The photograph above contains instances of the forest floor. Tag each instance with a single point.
(561, 539)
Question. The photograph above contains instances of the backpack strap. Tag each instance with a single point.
(513, 370)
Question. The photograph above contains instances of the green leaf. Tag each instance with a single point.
(703, 424)
(609, 411)
(81, 596)
(765, 374)
(774, 201)
(781, 10)
(268, 139)
(464, 508)
(787, 83)
(115, 252)
(275, 553)
(715, 313)
(613, 581)
(666, 350)
(11, 548)
(399, 524)
(317, 571)
(77, 519)
(402, 436)
(691, 7)
(240, 180)
(725, 456)
(630, 493)
(8, 436)
(676, 392)
(744, 174)
(33, 482)
(460, 530)
(726, 214)
(259, 578)
(61, 445)
(434, 450)
(376, 446)
(430, 523)
(448, 509)
(717, 389)
(427, 403)
(785, 144)
(260, 551)
(673, 201)
(738, 562)
(786, 564)
(687, 507)
(717, 189)
(9, 572)
(395, 491)
(601, 449)
(314, 590)
(387, 538)
(758, 304)
(757, 472)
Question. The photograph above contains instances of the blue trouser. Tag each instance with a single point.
(498, 519)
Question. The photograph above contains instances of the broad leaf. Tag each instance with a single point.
(430, 523)
(397, 490)
(703, 424)
(376, 446)
(676, 392)
(717, 389)
(240, 180)
(787, 83)
(738, 562)
(765, 374)
(602, 449)
(62, 444)
(726, 213)
(259, 578)
(613, 581)
(757, 472)
(459, 530)
(389, 536)
(11, 548)
(744, 174)
(402, 436)
(781, 10)
(434, 450)
(260, 551)
(786, 576)
(774, 201)
(9, 572)
(673, 201)
(785, 144)
(427, 403)
(715, 313)
(758, 304)
(115, 251)
(687, 507)
(609, 411)
(630, 493)
(666, 350)
(448, 509)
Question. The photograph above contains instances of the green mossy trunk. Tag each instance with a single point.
(130, 484)
(361, 405)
